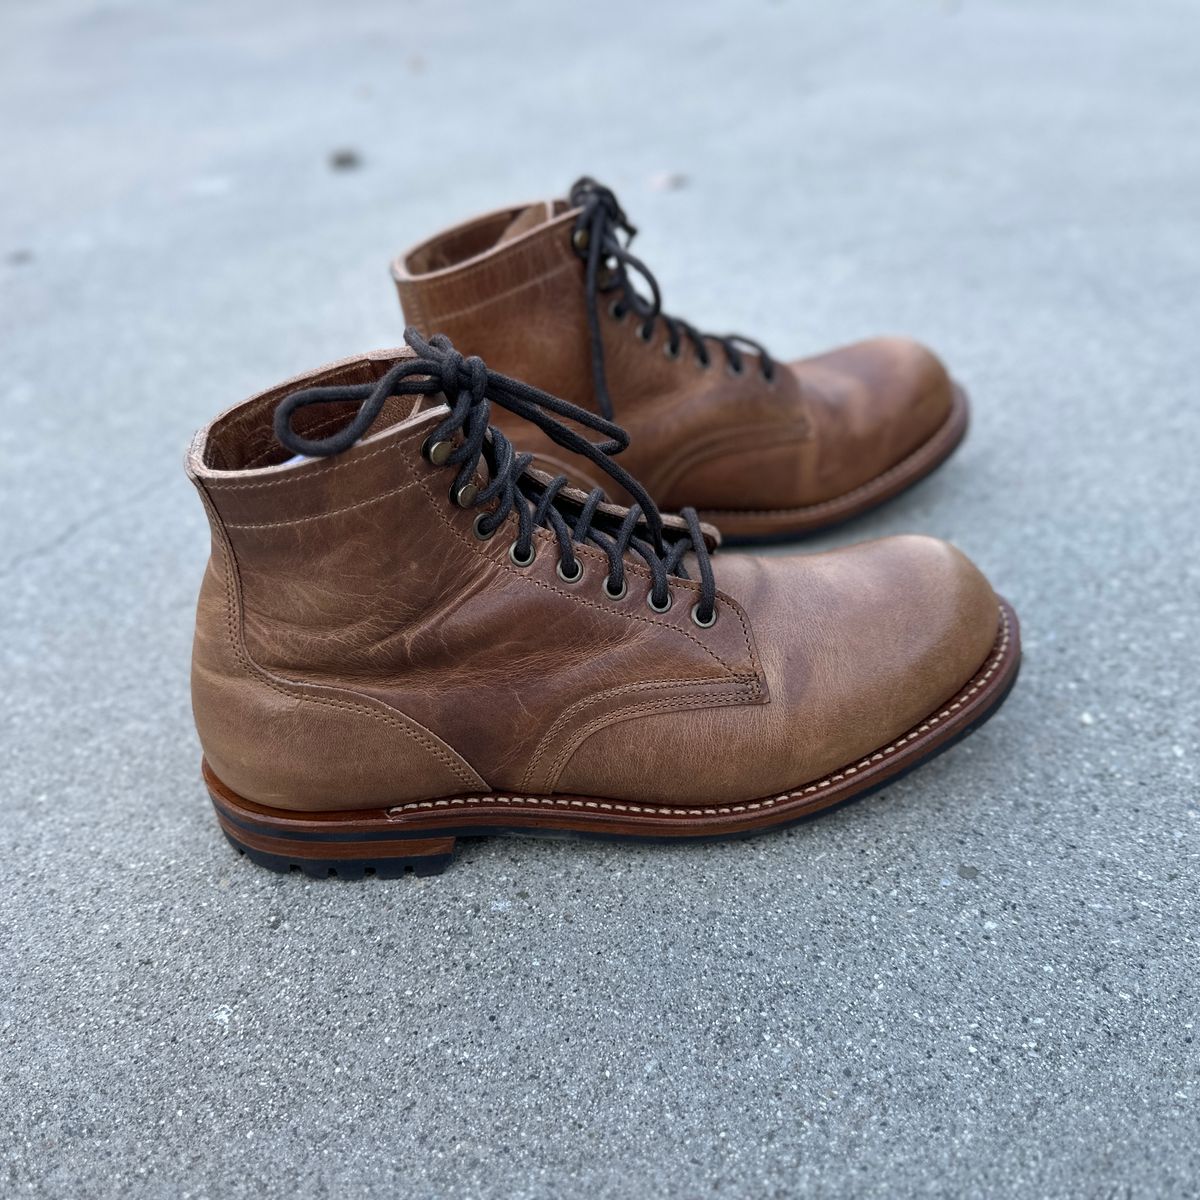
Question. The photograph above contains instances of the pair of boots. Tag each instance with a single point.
(439, 605)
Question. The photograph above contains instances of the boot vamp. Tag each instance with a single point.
(857, 647)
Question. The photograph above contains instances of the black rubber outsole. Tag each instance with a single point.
(342, 868)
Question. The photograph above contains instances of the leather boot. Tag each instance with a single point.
(410, 634)
(765, 450)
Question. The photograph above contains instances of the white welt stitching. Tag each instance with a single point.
(658, 810)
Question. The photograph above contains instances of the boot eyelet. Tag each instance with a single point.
(703, 624)
(482, 534)
(705, 363)
(673, 355)
(615, 311)
(464, 496)
(580, 240)
(437, 452)
(569, 578)
(522, 562)
(654, 607)
(615, 595)
(646, 332)
(736, 372)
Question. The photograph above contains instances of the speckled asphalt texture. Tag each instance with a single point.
(980, 982)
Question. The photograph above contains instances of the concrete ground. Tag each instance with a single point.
(980, 982)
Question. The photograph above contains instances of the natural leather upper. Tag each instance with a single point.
(509, 287)
(358, 645)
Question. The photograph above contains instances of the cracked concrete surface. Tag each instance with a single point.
(982, 981)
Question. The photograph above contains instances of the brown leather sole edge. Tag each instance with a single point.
(747, 528)
(420, 836)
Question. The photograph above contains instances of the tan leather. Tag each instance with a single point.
(509, 287)
(358, 645)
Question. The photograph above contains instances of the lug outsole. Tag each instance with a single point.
(355, 869)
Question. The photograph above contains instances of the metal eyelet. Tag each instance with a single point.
(580, 240)
(464, 496)
(705, 363)
(614, 311)
(437, 452)
(703, 624)
(646, 332)
(654, 607)
(615, 595)
(522, 562)
(673, 355)
(734, 372)
(480, 534)
(569, 578)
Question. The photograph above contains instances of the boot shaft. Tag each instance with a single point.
(508, 287)
(354, 594)
(511, 287)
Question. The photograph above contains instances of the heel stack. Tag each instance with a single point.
(347, 844)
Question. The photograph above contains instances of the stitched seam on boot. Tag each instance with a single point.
(749, 691)
(332, 512)
(928, 447)
(667, 704)
(491, 298)
(714, 448)
(973, 686)
(412, 307)
(549, 239)
(460, 770)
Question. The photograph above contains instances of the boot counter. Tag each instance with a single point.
(288, 745)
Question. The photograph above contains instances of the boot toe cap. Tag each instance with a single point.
(874, 403)
(936, 618)
(861, 644)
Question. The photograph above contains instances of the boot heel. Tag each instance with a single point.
(346, 845)
(424, 857)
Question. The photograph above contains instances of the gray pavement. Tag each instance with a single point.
(980, 982)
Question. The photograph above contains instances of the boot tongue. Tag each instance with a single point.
(527, 219)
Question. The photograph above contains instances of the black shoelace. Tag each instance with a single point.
(597, 238)
(469, 389)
